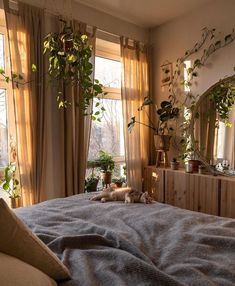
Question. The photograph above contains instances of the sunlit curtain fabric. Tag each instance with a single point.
(135, 86)
(25, 28)
(52, 144)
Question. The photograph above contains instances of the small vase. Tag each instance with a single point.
(15, 202)
(174, 165)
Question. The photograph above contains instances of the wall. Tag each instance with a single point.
(172, 39)
(93, 17)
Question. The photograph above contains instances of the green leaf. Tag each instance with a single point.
(34, 68)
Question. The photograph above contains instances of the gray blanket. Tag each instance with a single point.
(115, 244)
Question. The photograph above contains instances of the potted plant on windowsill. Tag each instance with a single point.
(118, 181)
(9, 184)
(106, 165)
(162, 131)
(91, 183)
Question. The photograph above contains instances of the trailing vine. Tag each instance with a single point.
(69, 55)
(223, 95)
(193, 72)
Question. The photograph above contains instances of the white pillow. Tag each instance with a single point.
(14, 272)
(17, 240)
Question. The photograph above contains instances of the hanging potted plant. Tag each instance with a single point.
(9, 184)
(162, 131)
(69, 54)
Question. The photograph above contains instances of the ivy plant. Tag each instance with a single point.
(9, 182)
(180, 89)
(223, 95)
(69, 55)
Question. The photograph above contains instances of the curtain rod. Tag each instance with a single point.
(116, 37)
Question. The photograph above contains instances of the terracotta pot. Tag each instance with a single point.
(195, 165)
(118, 184)
(15, 202)
(162, 142)
(106, 177)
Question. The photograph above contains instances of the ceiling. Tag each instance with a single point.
(145, 13)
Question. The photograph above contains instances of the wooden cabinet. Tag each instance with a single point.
(196, 192)
(154, 183)
(192, 191)
(176, 188)
(227, 202)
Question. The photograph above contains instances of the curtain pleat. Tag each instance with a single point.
(135, 87)
(52, 144)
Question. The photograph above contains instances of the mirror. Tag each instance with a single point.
(213, 126)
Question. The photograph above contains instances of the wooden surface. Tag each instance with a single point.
(197, 192)
(203, 194)
(154, 183)
(227, 203)
(176, 190)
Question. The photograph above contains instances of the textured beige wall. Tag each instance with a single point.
(171, 40)
(93, 17)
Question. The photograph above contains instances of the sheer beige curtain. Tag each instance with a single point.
(135, 86)
(25, 39)
(76, 132)
(52, 144)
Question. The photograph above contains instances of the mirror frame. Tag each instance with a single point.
(212, 169)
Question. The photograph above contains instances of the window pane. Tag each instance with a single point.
(108, 72)
(3, 129)
(2, 56)
(107, 135)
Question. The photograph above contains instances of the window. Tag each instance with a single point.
(107, 135)
(6, 100)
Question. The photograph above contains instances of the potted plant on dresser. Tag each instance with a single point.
(163, 130)
(10, 185)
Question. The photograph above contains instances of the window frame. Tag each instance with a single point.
(112, 93)
(7, 86)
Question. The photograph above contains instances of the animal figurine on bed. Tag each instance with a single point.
(128, 195)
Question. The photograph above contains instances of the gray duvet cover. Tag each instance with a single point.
(114, 244)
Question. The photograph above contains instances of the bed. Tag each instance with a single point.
(134, 244)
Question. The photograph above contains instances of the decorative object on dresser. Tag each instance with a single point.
(174, 164)
(193, 191)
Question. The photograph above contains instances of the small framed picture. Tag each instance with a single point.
(166, 73)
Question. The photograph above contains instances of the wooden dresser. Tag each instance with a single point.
(203, 193)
